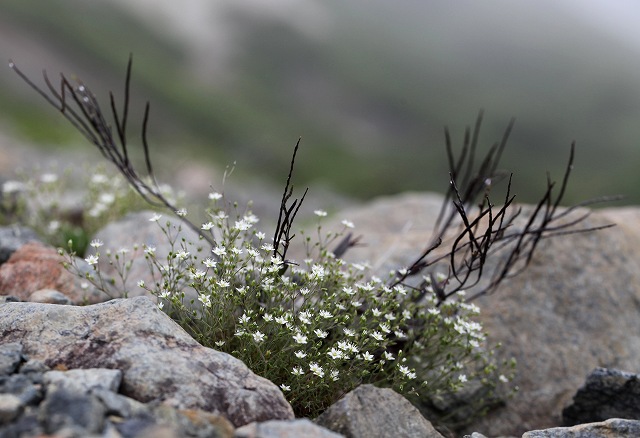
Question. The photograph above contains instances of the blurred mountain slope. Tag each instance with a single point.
(369, 85)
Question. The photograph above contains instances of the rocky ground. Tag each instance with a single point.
(69, 370)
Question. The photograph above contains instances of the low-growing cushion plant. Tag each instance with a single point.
(320, 326)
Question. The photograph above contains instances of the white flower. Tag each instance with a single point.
(160, 304)
(219, 343)
(304, 291)
(260, 235)
(347, 223)
(209, 263)
(182, 212)
(334, 353)
(242, 225)
(348, 290)
(49, 178)
(300, 354)
(267, 247)
(214, 196)
(325, 314)
(300, 338)
(503, 379)
(244, 319)
(348, 332)
(285, 387)
(320, 213)
(198, 275)
(367, 356)
(267, 317)
(219, 251)
(258, 337)
(316, 369)
(207, 226)
(223, 283)
(320, 333)
(356, 303)
(96, 243)
(107, 198)
(99, 178)
(141, 283)
(92, 259)
(305, 317)
(462, 378)
(53, 226)
(182, 254)
(205, 300)
(155, 218)
(12, 187)
(376, 312)
(334, 375)
(150, 250)
(389, 316)
(317, 272)
(377, 336)
(387, 355)
(281, 320)
(297, 371)
(385, 327)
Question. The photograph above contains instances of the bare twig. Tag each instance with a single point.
(80, 107)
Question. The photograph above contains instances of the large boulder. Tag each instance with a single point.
(573, 309)
(159, 361)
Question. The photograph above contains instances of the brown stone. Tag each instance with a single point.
(34, 267)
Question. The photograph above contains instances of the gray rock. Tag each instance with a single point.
(606, 394)
(83, 380)
(10, 407)
(13, 237)
(135, 229)
(62, 408)
(573, 309)
(285, 429)
(50, 296)
(613, 428)
(159, 360)
(373, 412)
(10, 357)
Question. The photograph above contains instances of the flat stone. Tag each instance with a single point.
(82, 380)
(371, 412)
(285, 429)
(613, 428)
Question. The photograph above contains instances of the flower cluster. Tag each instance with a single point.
(61, 207)
(318, 327)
